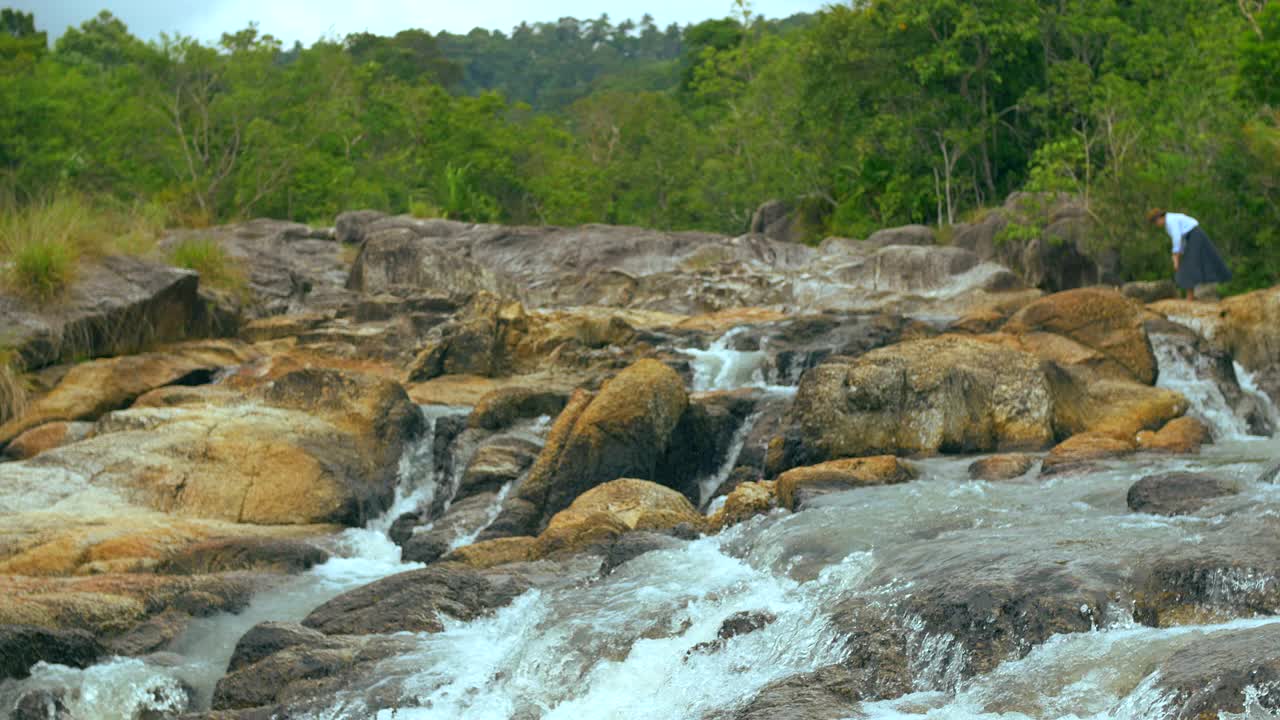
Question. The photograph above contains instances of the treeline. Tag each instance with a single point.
(881, 113)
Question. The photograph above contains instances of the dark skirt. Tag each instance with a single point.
(1200, 264)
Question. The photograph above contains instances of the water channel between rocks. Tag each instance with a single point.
(632, 644)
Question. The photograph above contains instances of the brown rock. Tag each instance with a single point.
(498, 551)
(1184, 435)
(46, 437)
(606, 511)
(947, 394)
(1078, 451)
(22, 646)
(1100, 319)
(499, 408)
(1002, 467)
(1211, 676)
(622, 432)
(746, 501)
(799, 485)
(93, 388)
(1083, 402)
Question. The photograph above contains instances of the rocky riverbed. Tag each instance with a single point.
(426, 469)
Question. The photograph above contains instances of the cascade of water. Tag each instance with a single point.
(128, 688)
(720, 367)
(708, 485)
(1187, 372)
(1250, 385)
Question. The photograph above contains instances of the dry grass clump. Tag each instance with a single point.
(43, 242)
(208, 258)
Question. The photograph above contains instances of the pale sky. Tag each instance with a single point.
(309, 20)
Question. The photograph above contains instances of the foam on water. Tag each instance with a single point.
(720, 367)
(707, 486)
(1193, 377)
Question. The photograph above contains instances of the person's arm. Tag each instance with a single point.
(1176, 257)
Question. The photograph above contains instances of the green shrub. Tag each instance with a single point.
(206, 257)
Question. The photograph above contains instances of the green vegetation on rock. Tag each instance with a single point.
(862, 117)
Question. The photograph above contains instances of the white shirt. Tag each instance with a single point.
(1178, 225)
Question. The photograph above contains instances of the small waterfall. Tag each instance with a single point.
(129, 688)
(720, 367)
(1250, 385)
(707, 486)
(1186, 371)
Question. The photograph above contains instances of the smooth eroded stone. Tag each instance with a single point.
(1177, 493)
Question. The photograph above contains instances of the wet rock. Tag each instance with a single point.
(798, 486)
(1079, 452)
(597, 517)
(500, 408)
(46, 437)
(740, 623)
(463, 518)
(796, 344)
(304, 671)
(701, 440)
(1002, 467)
(153, 634)
(621, 432)
(497, 551)
(91, 389)
(266, 639)
(41, 705)
(634, 544)
(244, 553)
(22, 646)
(1215, 674)
(414, 601)
(949, 394)
(472, 344)
(1183, 435)
(746, 501)
(1177, 493)
(828, 693)
(1100, 319)
(498, 461)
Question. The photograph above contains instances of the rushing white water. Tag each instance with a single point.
(1189, 373)
(720, 367)
(1250, 385)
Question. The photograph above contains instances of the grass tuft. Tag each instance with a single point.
(205, 256)
(43, 242)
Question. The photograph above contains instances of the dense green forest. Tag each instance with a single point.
(875, 114)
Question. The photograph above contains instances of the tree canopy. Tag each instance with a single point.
(874, 114)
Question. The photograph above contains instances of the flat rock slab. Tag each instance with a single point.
(1211, 676)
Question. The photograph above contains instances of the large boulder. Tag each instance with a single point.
(288, 267)
(91, 389)
(1055, 249)
(1100, 319)
(117, 305)
(947, 394)
(1085, 402)
(622, 432)
(396, 260)
(603, 513)
(316, 446)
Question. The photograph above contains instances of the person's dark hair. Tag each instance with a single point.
(1154, 214)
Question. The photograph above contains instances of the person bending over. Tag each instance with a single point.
(1195, 260)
